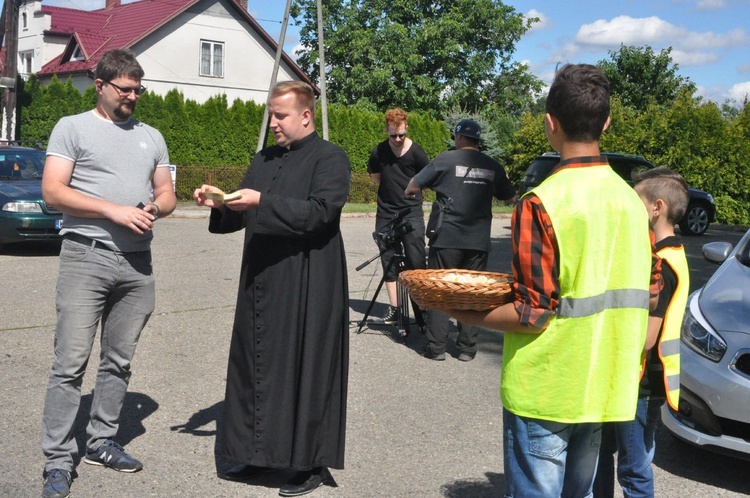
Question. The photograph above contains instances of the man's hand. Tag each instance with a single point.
(199, 195)
(135, 218)
(249, 200)
(412, 189)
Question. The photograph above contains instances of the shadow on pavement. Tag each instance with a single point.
(136, 408)
(695, 464)
(199, 419)
(492, 488)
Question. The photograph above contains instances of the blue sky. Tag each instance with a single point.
(710, 39)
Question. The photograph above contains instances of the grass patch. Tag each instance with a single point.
(359, 207)
(364, 207)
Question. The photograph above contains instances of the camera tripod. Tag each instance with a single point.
(402, 307)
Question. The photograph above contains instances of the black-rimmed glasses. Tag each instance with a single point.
(397, 135)
(124, 92)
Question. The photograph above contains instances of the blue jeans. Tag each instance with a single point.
(94, 285)
(549, 459)
(634, 442)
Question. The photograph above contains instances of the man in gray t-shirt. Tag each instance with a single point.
(109, 175)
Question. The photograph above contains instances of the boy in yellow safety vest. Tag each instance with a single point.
(585, 279)
(665, 194)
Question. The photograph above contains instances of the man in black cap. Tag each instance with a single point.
(465, 181)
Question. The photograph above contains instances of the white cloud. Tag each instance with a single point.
(735, 38)
(628, 30)
(686, 59)
(740, 91)
(544, 21)
(655, 31)
(710, 4)
(566, 53)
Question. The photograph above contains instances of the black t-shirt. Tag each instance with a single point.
(395, 173)
(470, 179)
(652, 382)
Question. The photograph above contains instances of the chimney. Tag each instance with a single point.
(108, 4)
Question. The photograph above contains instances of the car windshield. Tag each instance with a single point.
(21, 164)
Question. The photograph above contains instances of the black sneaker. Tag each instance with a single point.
(112, 455)
(56, 484)
(390, 316)
(427, 353)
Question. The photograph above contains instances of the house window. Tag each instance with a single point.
(25, 20)
(212, 59)
(26, 62)
(77, 55)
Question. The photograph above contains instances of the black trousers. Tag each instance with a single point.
(438, 323)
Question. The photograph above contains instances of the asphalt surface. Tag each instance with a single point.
(415, 427)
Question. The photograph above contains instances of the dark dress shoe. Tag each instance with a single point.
(306, 482)
(244, 472)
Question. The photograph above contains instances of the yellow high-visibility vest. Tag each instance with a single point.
(586, 365)
(669, 339)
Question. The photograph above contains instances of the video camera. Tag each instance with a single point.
(394, 230)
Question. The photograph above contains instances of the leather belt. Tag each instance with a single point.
(82, 239)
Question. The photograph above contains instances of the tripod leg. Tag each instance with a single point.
(375, 297)
(403, 311)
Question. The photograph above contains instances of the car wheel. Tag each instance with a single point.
(695, 221)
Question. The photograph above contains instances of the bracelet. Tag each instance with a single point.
(158, 209)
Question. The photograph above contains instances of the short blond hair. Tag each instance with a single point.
(303, 91)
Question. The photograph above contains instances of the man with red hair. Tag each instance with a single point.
(392, 164)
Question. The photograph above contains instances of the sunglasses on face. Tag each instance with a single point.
(124, 92)
(397, 135)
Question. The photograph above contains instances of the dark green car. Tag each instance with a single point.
(23, 213)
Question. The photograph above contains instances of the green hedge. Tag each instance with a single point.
(215, 134)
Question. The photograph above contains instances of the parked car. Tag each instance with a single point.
(714, 408)
(23, 213)
(701, 209)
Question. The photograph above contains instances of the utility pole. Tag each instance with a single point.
(274, 74)
(10, 70)
(322, 72)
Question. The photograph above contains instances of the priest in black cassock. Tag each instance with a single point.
(285, 404)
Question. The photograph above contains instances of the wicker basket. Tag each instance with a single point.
(428, 289)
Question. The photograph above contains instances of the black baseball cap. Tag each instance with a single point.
(469, 128)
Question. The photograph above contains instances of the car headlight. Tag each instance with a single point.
(711, 199)
(23, 207)
(701, 340)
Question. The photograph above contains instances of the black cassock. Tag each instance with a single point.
(285, 404)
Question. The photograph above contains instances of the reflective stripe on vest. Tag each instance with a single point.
(669, 338)
(619, 298)
(586, 364)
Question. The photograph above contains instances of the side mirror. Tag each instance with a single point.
(717, 252)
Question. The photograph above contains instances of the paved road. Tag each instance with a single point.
(415, 428)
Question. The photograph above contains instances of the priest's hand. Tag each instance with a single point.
(201, 196)
(249, 200)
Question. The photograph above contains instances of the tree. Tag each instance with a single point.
(427, 55)
(638, 76)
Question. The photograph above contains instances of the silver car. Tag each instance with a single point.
(714, 410)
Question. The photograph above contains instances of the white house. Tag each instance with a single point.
(200, 47)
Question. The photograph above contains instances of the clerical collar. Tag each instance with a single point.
(303, 141)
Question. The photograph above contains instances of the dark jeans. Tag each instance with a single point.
(438, 322)
(635, 443)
